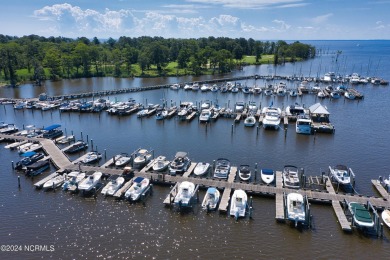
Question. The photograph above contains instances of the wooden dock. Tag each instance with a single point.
(225, 199)
(191, 116)
(119, 193)
(172, 194)
(237, 119)
(339, 211)
(379, 187)
(190, 170)
(40, 183)
(279, 198)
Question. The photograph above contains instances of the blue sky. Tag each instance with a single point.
(258, 19)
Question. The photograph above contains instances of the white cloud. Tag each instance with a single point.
(321, 18)
(283, 26)
(252, 4)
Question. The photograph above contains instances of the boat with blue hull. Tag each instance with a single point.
(28, 159)
(37, 168)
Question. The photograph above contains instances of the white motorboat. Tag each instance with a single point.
(222, 168)
(342, 174)
(321, 94)
(187, 87)
(24, 147)
(335, 94)
(180, 164)
(175, 86)
(349, 95)
(361, 215)
(267, 175)
(303, 125)
(205, 115)
(161, 164)
(205, 87)
(185, 193)
(54, 182)
(244, 172)
(122, 160)
(294, 110)
(281, 89)
(250, 121)
(211, 199)
(271, 119)
(268, 92)
(238, 204)
(139, 187)
(239, 108)
(72, 180)
(291, 177)
(386, 217)
(201, 168)
(161, 114)
(141, 158)
(65, 139)
(90, 182)
(91, 157)
(113, 186)
(195, 86)
(296, 210)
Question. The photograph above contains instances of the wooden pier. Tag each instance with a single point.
(119, 193)
(279, 198)
(379, 187)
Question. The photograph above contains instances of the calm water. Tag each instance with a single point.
(79, 227)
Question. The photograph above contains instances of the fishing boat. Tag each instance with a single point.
(28, 159)
(65, 139)
(185, 193)
(9, 129)
(201, 168)
(90, 182)
(303, 125)
(244, 172)
(122, 160)
(77, 147)
(267, 175)
(341, 174)
(291, 177)
(141, 158)
(161, 164)
(72, 180)
(386, 217)
(361, 215)
(91, 157)
(250, 120)
(238, 204)
(37, 167)
(139, 187)
(180, 164)
(205, 115)
(54, 182)
(271, 119)
(162, 114)
(113, 186)
(222, 168)
(296, 210)
(211, 199)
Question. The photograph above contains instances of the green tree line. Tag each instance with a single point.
(38, 58)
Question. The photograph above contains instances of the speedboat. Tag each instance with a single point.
(290, 177)
(139, 186)
(361, 215)
(211, 199)
(65, 139)
(113, 186)
(239, 108)
(175, 86)
(180, 164)
(244, 172)
(161, 114)
(91, 157)
(201, 168)
(90, 182)
(349, 95)
(28, 159)
(296, 211)
(342, 174)
(238, 204)
(267, 175)
(335, 94)
(281, 89)
(386, 217)
(161, 164)
(142, 157)
(185, 193)
(37, 167)
(303, 125)
(121, 160)
(250, 121)
(77, 147)
(54, 182)
(72, 180)
(272, 117)
(295, 110)
(222, 168)
(205, 115)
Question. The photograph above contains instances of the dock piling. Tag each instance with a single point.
(19, 182)
(12, 164)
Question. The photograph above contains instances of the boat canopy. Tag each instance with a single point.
(28, 154)
(139, 179)
(181, 154)
(211, 190)
(52, 127)
(318, 109)
(267, 171)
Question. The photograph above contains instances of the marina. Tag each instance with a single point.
(101, 225)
